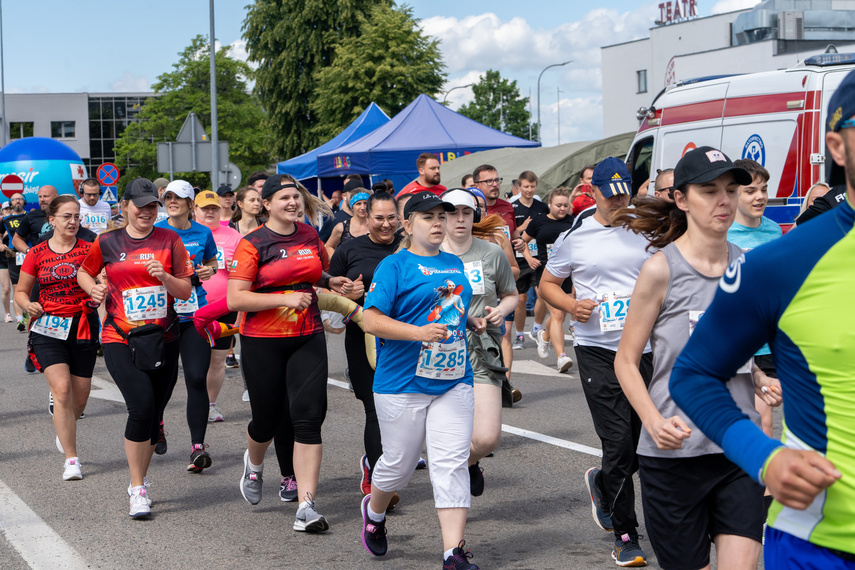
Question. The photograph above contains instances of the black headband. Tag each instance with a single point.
(270, 190)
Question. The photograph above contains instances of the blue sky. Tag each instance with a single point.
(108, 45)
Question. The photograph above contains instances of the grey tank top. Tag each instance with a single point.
(689, 294)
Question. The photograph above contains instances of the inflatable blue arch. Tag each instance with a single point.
(41, 161)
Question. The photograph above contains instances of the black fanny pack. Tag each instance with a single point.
(147, 345)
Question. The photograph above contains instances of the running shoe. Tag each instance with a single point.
(602, 517)
(50, 404)
(476, 480)
(532, 334)
(365, 484)
(199, 458)
(214, 414)
(373, 533)
(21, 326)
(146, 484)
(245, 397)
(82, 415)
(29, 366)
(288, 489)
(59, 446)
(140, 507)
(160, 447)
(519, 342)
(231, 361)
(459, 559)
(347, 377)
(251, 482)
(72, 470)
(8, 318)
(542, 344)
(628, 552)
(422, 464)
(308, 519)
(565, 363)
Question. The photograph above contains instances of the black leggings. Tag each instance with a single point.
(145, 393)
(195, 358)
(287, 382)
(362, 379)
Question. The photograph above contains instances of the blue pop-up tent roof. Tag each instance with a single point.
(424, 125)
(305, 166)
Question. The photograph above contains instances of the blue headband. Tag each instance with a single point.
(359, 197)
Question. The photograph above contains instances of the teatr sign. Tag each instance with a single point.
(676, 11)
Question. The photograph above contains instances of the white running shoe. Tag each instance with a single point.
(214, 414)
(308, 519)
(59, 445)
(542, 344)
(140, 508)
(565, 363)
(146, 484)
(72, 470)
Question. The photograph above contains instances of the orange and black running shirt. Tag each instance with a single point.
(56, 274)
(273, 262)
(131, 291)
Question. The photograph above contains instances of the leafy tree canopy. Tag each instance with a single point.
(498, 104)
(188, 88)
(390, 63)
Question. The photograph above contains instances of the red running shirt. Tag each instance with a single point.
(270, 260)
(125, 258)
(56, 273)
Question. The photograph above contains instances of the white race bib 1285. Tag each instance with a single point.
(54, 327)
(475, 273)
(613, 309)
(145, 303)
(443, 361)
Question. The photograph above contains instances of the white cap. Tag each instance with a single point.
(460, 198)
(180, 188)
(6, 204)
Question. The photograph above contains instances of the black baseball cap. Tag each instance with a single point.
(142, 192)
(424, 201)
(353, 185)
(224, 189)
(704, 164)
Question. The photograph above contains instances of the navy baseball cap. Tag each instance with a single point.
(424, 201)
(842, 103)
(612, 177)
(141, 192)
(705, 164)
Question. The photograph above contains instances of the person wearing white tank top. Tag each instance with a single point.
(692, 494)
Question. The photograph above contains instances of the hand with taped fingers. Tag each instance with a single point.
(584, 308)
(433, 333)
(795, 477)
(767, 388)
(669, 433)
(298, 300)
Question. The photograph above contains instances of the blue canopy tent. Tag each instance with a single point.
(305, 166)
(423, 126)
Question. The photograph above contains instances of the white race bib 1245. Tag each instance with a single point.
(145, 303)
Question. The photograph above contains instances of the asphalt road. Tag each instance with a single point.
(534, 513)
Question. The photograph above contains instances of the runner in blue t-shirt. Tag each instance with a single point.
(195, 350)
(423, 390)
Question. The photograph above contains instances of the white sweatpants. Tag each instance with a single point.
(444, 423)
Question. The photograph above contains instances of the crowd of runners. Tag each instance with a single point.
(692, 317)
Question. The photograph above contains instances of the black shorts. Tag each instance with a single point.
(566, 286)
(765, 363)
(687, 501)
(4, 261)
(526, 280)
(226, 342)
(80, 357)
(14, 271)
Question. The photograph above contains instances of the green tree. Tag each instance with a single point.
(390, 63)
(498, 104)
(290, 40)
(188, 88)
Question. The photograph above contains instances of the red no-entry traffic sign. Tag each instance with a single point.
(11, 184)
(108, 174)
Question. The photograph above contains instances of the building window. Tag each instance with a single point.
(62, 129)
(20, 130)
(641, 76)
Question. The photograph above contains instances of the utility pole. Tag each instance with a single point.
(215, 155)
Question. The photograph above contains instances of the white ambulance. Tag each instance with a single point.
(776, 118)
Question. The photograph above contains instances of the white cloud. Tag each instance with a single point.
(732, 5)
(129, 83)
(519, 52)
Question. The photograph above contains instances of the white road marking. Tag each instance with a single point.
(563, 443)
(35, 541)
(535, 367)
(106, 390)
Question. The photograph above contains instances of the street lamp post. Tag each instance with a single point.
(215, 140)
(453, 88)
(539, 134)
